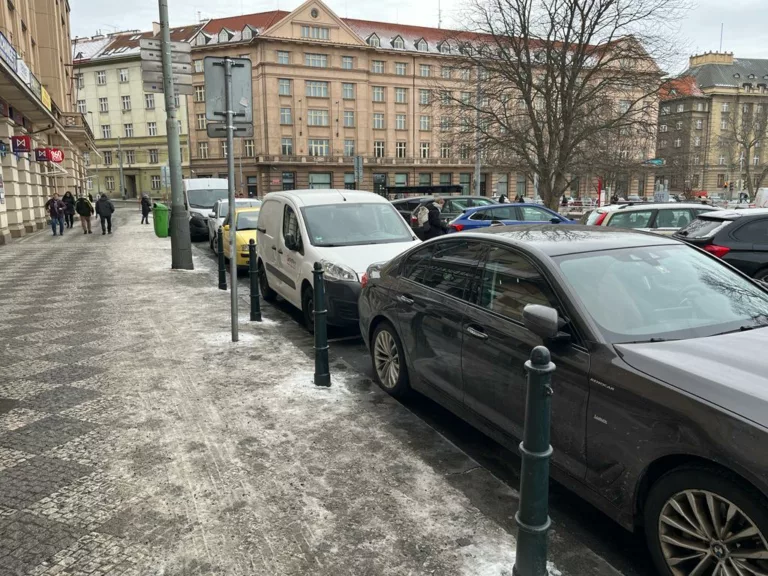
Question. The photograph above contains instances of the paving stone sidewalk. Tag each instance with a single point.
(135, 439)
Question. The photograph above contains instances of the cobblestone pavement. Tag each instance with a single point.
(135, 439)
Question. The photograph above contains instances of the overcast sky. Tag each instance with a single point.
(745, 31)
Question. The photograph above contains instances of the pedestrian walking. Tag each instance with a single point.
(84, 209)
(56, 209)
(69, 212)
(436, 227)
(503, 199)
(519, 199)
(146, 206)
(105, 208)
(614, 199)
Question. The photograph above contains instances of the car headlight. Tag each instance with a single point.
(243, 247)
(338, 271)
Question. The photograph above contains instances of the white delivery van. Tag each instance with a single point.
(200, 194)
(344, 230)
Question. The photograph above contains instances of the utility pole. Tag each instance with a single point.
(181, 244)
(230, 119)
(120, 168)
(477, 134)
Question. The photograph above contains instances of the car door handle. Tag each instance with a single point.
(405, 300)
(274, 247)
(262, 230)
(477, 333)
(279, 251)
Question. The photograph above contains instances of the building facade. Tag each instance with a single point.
(713, 120)
(36, 101)
(129, 124)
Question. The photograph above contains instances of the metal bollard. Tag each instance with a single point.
(253, 273)
(222, 267)
(533, 513)
(322, 372)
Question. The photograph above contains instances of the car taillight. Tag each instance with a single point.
(600, 219)
(457, 227)
(718, 251)
(364, 280)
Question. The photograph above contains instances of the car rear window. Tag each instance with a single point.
(635, 219)
(704, 227)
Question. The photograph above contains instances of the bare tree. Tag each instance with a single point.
(547, 82)
(740, 141)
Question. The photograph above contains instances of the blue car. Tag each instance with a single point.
(506, 214)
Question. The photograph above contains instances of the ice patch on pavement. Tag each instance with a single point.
(223, 338)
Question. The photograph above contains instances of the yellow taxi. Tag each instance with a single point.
(246, 219)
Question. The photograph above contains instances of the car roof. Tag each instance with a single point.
(557, 240)
(411, 199)
(247, 209)
(495, 206)
(319, 197)
(735, 214)
(669, 205)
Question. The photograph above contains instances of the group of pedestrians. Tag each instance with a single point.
(62, 212)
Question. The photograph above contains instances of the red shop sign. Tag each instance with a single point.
(55, 155)
(41, 154)
(21, 144)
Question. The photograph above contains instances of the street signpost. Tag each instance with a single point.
(358, 168)
(219, 130)
(152, 66)
(228, 97)
(165, 177)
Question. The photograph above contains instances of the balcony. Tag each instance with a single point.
(77, 128)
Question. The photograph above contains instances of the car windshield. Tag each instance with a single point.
(355, 224)
(224, 206)
(704, 227)
(205, 197)
(248, 220)
(662, 293)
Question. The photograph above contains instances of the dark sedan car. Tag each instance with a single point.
(739, 237)
(660, 406)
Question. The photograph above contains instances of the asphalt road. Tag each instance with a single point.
(582, 522)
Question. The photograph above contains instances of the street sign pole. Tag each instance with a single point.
(230, 119)
(181, 244)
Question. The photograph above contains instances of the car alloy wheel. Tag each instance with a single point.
(386, 359)
(704, 534)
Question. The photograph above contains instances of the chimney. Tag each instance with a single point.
(711, 58)
(155, 28)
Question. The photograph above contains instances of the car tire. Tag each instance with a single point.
(713, 493)
(307, 308)
(388, 361)
(212, 242)
(267, 293)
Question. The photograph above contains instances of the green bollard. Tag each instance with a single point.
(254, 276)
(222, 267)
(533, 513)
(322, 371)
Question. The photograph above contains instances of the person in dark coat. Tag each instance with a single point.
(436, 226)
(56, 209)
(105, 208)
(84, 209)
(69, 212)
(146, 206)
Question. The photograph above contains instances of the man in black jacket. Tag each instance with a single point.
(436, 226)
(84, 209)
(105, 208)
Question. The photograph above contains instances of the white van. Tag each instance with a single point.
(200, 194)
(761, 198)
(344, 230)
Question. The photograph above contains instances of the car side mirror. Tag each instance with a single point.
(211, 214)
(555, 220)
(541, 320)
(290, 242)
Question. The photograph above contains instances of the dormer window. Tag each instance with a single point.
(249, 33)
(398, 43)
(421, 45)
(225, 35)
(737, 75)
(444, 48)
(373, 40)
(751, 76)
(202, 39)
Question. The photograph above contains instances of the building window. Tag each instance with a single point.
(424, 150)
(347, 91)
(678, 126)
(109, 182)
(315, 32)
(126, 100)
(349, 118)
(321, 180)
(318, 147)
(401, 68)
(721, 160)
(347, 62)
(723, 124)
(128, 129)
(464, 152)
(664, 110)
(678, 142)
(89, 183)
(721, 180)
(202, 150)
(378, 148)
(155, 182)
(87, 158)
(445, 97)
(425, 122)
(199, 66)
(400, 121)
(466, 98)
(107, 157)
(179, 128)
(249, 148)
(152, 128)
(680, 107)
(149, 101)
(201, 122)
(79, 81)
(697, 141)
(423, 97)
(424, 70)
(103, 105)
(465, 181)
(401, 179)
(317, 117)
(283, 57)
(401, 95)
(286, 146)
(285, 116)
(317, 89)
(445, 178)
(224, 149)
(425, 178)
(106, 131)
(284, 87)
(81, 106)
(101, 77)
(756, 160)
(445, 150)
(663, 128)
(377, 67)
(398, 43)
(445, 71)
(374, 41)
(378, 93)
(349, 180)
(699, 124)
(130, 157)
(378, 121)
(349, 147)
(725, 107)
(696, 160)
(662, 143)
(316, 60)
(401, 149)
(199, 93)
(154, 156)
(422, 45)
(445, 123)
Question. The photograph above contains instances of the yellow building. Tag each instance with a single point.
(125, 119)
(36, 101)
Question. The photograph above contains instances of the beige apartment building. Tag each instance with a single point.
(36, 101)
(712, 125)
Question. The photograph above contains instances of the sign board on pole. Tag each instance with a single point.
(157, 56)
(152, 66)
(219, 130)
(165, 175)
(157, 87)
(155, 44)
(176, 68)
(242, 89)
(358, 168)
(152, 77)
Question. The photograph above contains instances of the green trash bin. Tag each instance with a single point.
(161, 215)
